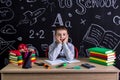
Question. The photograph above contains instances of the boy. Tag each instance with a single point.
(61, 47)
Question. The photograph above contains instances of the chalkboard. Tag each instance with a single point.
(90, 23)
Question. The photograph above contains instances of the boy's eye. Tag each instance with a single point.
(64, 34)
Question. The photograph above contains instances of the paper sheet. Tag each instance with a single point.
(61, 60)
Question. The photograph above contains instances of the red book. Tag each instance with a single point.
(112, 56)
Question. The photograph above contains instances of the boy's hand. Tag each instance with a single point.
(65, 40)
(58, 40)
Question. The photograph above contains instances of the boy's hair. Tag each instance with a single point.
(61, 28)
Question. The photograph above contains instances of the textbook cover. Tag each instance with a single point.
(106, 57)
(100, 50)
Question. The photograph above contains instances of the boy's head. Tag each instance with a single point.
(61, 33)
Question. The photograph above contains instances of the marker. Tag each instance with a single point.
(62, 65)
(75, 67)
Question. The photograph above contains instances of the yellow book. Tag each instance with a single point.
(101, 60)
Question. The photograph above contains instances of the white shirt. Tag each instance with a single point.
(65, 49)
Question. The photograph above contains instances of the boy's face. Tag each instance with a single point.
(61, 35)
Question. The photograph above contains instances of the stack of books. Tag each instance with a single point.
(15, 57)
(102, 56)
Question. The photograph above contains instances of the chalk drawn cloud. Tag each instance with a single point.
(116, 20)
(8, 29)
(6, 14)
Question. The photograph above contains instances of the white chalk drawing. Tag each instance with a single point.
(44, 47)
(33, 47)
(6, 14)
(49, 4)
(31, 17)
(4, 45)
(58, 20)
(98, 17)
(82, 21)
(40, 34)
(109, 13)
(8, 3)
(82, 11)
(65, 3)
(31, 1)
(19, 38)
(83, 5)
(116, 20)
(8, 29)
(70, 15)
(68, 24)
(100, 37)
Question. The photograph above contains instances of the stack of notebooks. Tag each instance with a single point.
(102, 56)
(15, 57)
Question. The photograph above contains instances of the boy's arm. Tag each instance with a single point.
(69, 51)
(54, 51)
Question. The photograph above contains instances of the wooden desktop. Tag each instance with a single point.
(100, 72)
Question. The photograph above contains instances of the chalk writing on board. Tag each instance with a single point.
(6, 45)
(33, 47)
(83, 5)
(31, 17)
(44, 46)
(6, 14)
(40, 34)
(83, 21)
(97, 16)
(116, 20)
(109, 13)
(19, 38)
(59, 21)
(31, 1)
(8, 29)
(6, 2)
(49, 4)
(100, 37)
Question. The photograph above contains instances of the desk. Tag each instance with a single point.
(12, 72)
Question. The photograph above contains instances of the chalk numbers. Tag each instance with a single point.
(40, 34)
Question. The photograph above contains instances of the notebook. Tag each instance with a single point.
(61, 60)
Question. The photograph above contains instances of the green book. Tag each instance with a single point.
(100, 50)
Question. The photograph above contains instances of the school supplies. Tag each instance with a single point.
(61, 65)
(43, 64)
(102, 56)
(75, 67)
(89, 66)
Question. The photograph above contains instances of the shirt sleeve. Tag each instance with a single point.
(54, 51)
(69, 51)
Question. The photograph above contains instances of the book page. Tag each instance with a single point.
(61, 60)
(110, 40)
(94, 34)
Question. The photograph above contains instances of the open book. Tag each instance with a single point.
(100, 37)
(61, 60)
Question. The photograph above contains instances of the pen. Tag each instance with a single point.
(62, 65)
